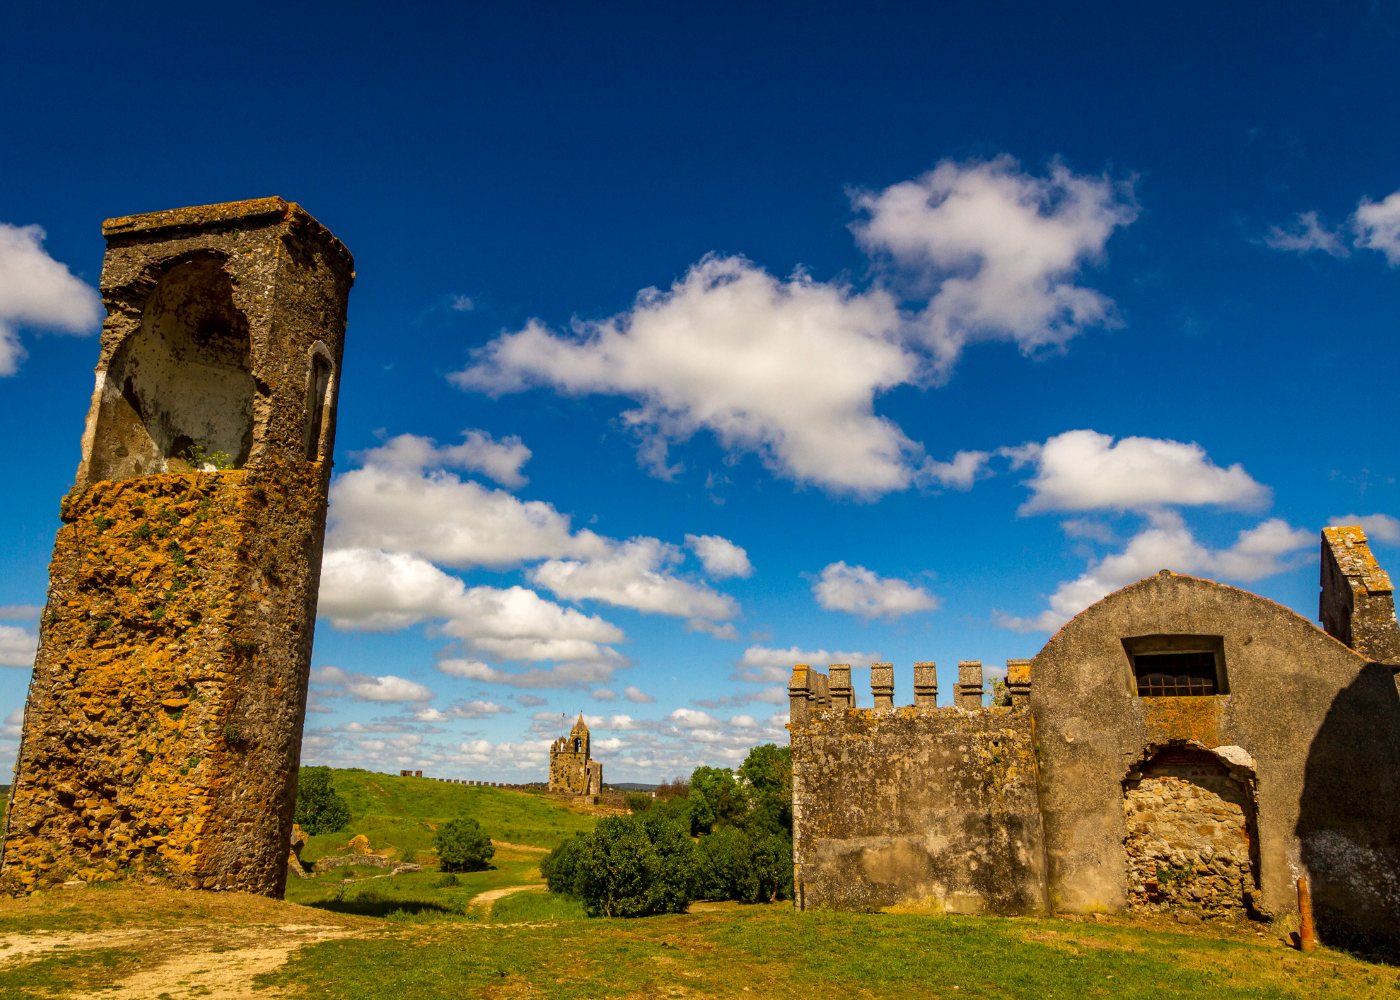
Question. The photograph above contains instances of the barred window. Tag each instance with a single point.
(1174, 666)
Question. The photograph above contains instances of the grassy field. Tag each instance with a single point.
(428, 935)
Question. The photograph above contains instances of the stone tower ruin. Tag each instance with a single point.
(571, 769)
(163, 726)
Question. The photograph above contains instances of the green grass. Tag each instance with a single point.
(405, 813)
(772, 951)
(61, 971)
(536, 907)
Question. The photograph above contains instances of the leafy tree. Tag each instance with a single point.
(768, 771)
(632, 866)
(462, 846)
(715, 797)
(319, 808)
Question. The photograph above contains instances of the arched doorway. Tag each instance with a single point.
(1190, 842)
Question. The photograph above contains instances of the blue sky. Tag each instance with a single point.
(689, 343)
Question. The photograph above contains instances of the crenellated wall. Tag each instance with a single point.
(918, 807)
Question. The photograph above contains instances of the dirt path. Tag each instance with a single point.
(487, 899)
(178, 965)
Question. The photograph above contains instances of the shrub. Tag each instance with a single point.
(637, 801)
(319, 809)
(462, 846)
(560, 867)
(632, 866)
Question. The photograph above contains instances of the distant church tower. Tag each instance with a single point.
(571, 772)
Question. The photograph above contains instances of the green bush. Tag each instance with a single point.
(560, 867)
(630, 866)
(462, 846)
(319, 808)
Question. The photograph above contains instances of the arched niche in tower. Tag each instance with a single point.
(178, 392)
(320, 397)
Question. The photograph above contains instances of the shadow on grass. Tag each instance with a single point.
(378, 907)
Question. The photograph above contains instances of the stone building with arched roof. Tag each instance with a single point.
(1179, 745)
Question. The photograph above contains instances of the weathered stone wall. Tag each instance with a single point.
(1356, 604)
(163, 727)
(1291, 716)
(1189, 828)
(931, 808)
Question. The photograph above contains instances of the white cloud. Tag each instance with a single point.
(461, 303)
(13, 727)
(767, 665)
(720, 557)
(637, 696)
(716, 352)
(38, 291)
(691, 718)
(726, 630)
(993, 254)
(604, 694)
(1085, 470)
(366, 687)
(1168, 544)
(577, 674)
(1304, 235)
(17, 646)
(479, 452)
(438, 516)
(376, 591)
(1378, 527)
(959, 474)
(1003, 247)
(859, 591)
(19, 612)
(1377, 226)
(633, 574)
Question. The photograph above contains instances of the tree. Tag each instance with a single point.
(462, 846)
(768, 771)
(319, 808)
(715, 797)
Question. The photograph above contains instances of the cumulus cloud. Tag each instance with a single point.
(637, 696)
(479, 452)
(476, 709)
(443, 518)
(17, 646)
(1378, 527)
(768, 665)
(984, 251)
(1085, 470)
(1377, 225)
(1305, 234)
(335, 683)
(720, 557)
(37, 291)
(634, 574)
(1003, 248)
(958, 474)
(716, 352)
(604, 694)
(13, 726)
(1166, 543)
(375, 590)
(859, 591)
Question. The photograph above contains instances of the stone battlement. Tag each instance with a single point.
(810, 691)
